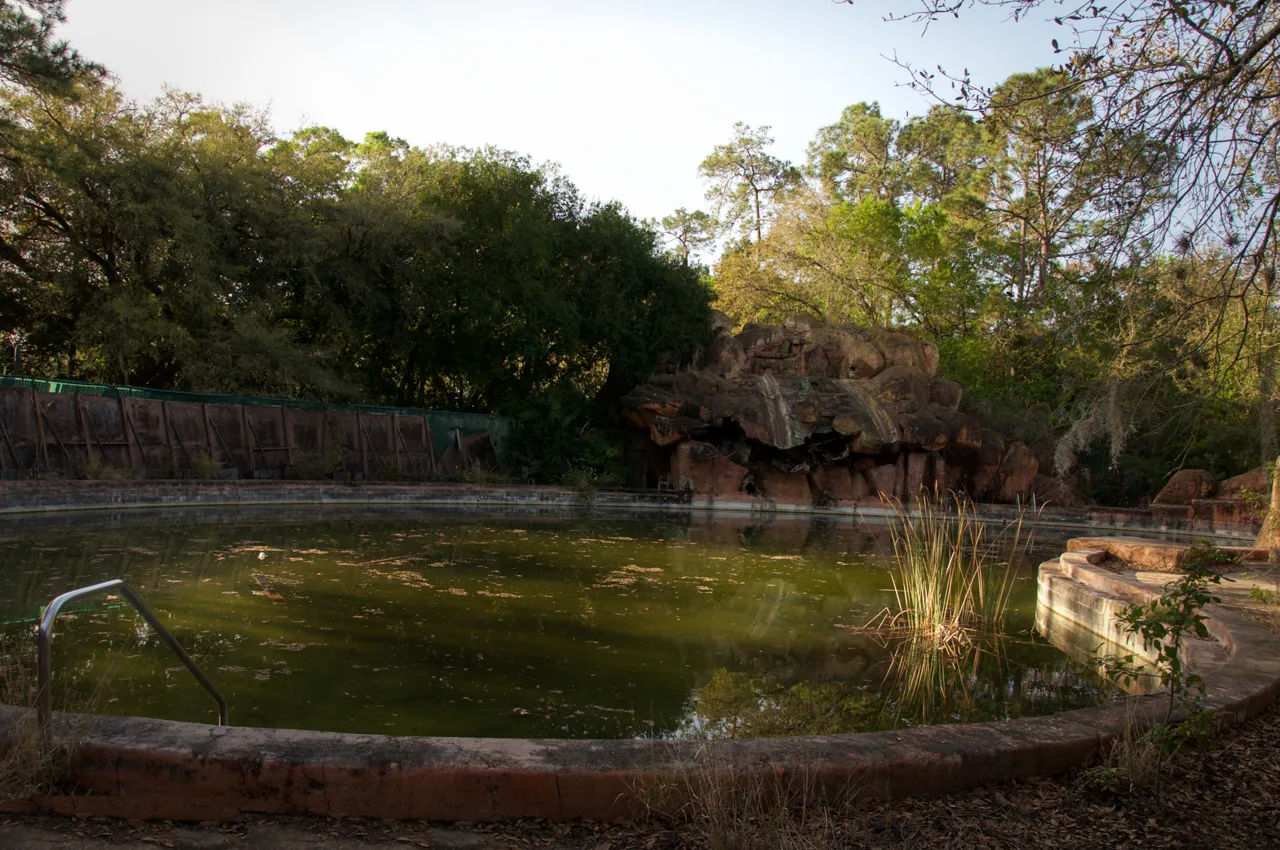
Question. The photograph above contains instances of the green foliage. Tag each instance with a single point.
(480, 475)
(746, 180)
(181, 245)
(203, 465)
(554, 442)
(984, 234)
(1264, 595)
(588, 481)
(1165, 624)
(1254, 501)
(687, 232)
(311, 465)
(30, 56)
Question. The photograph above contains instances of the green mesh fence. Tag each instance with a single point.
(441, 422)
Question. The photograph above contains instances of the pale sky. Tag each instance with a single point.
(627, 97)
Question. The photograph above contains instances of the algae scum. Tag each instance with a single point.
(411, 623)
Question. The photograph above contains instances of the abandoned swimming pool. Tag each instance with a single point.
(405, 622)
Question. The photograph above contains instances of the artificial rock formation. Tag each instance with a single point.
(810, 413)
(1186, 486)
(1197, 494)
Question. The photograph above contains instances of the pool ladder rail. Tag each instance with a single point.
(44, 644)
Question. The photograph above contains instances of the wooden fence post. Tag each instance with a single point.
(126, 428)
(431, 444)
(287, 434)
(364, 445)
(395, 438)
(84, 430)
(208, 432)
(4, 432)
(35, 411)
(246, 432)
(174, 435)
(168, 437)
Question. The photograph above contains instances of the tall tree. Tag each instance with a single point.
(689, 232)
(30, 56)
(943, 152)
(746, 180)
(1043, 177)
(1196, 82)
(855, 158)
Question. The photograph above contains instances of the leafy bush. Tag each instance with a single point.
(553, 440)
(309, 465)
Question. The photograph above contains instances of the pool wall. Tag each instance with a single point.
(37, 496)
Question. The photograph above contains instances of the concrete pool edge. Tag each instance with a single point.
(36, 497)
(154, 769)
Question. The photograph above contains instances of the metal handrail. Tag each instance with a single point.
(44, 647)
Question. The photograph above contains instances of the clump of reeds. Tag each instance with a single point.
(953, 573)
(929, 680)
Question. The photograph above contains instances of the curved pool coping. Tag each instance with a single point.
(54, 496)
(141, 768)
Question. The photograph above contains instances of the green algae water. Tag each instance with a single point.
(411, 622)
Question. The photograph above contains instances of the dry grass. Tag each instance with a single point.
(29, 766)
(1134, 761)
(725, 808)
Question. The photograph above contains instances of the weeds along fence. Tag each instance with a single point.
(79, 430)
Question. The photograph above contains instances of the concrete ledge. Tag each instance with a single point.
(1157, 555)
(44, 496)
(154, 769)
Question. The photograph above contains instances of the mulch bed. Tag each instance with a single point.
(1224, 795)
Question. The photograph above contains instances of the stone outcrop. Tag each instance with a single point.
(1196, 494)
(1256, 481)
(1186, 486)
(807, 412)
(1018, 469)
(702, 464)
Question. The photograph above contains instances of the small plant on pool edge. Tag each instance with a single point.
(1264, 595)
(1164, 625)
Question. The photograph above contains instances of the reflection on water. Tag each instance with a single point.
(921, 684)
(531, 625)
(1089, 649)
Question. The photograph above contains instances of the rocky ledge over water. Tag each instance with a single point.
(821, 414)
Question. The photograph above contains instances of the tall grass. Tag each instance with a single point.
(29, 765)
(722, 806)
(953, 574)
